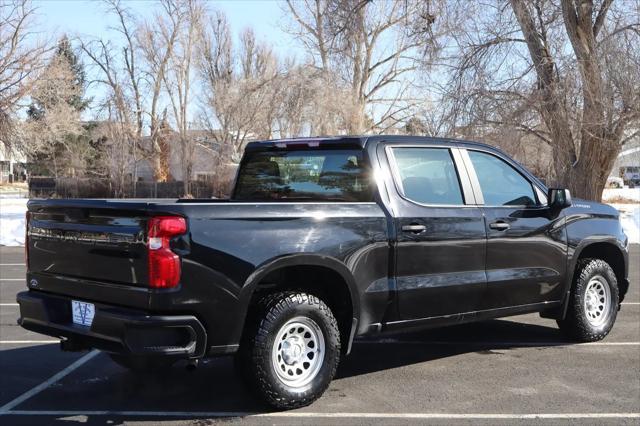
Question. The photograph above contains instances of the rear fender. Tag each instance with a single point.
(328, 262)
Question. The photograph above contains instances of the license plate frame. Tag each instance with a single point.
(82, 313)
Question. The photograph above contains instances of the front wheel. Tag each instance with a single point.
(593, 302)
(291, 350)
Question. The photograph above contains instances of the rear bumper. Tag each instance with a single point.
(114, 329)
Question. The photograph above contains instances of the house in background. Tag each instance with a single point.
(207, 165)
(13, 164)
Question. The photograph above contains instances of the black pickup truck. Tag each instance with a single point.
(323, 240)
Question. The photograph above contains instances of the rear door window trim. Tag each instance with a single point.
(468, 195)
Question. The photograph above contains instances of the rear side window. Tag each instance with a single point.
(501, 184)
(428, 175)
(315, 175)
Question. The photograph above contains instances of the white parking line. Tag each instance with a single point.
(623, 303)
(405, 342)
(42, 386)
(12, 264)
(11, 279)
(471, 343)
(296, 414)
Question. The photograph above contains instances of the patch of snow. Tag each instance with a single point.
(631, 194)
(12, 221)
(630, 218)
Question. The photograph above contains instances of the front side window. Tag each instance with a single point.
(428, 175)
(314, 175)
(501, 184)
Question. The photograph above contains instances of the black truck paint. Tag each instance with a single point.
(386, 264)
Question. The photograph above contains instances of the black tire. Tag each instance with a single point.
(258, 352)
(577, 325)
(139, 364)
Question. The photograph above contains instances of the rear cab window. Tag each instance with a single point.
(304, 175)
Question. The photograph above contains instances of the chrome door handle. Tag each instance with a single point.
(499, 226)
(414, 228)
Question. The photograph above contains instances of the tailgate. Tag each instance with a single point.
(92, 242)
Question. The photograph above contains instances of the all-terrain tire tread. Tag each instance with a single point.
(575, 324)
(255, 350)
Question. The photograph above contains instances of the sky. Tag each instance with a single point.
(88, 17)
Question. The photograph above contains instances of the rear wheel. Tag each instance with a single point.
(141, 364)
(593, 302)
(291, 350)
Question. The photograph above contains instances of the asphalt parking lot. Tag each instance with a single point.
(504, 371)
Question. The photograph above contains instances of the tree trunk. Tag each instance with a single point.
(161, 149)
(587, 177)
(356, 119)
(161, 160)
(583, 170)
(187, 164)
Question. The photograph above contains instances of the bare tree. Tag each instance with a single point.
(567, 74)
(114, 159)
(238, 87)
(584, 152)
(178, 80)
(157, 41)
(364, 42)
(310, 102)
(20, 58)
(118, 70)
(52, 136)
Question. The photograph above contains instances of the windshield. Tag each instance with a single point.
(322, 175)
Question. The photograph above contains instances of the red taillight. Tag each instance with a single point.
(26, 239)
(164, 265)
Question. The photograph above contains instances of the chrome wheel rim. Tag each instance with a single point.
(298, 352)
(597, 299)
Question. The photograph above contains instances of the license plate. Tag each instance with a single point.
(83, 312)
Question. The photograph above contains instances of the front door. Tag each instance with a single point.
(441, 238)
(526, 244)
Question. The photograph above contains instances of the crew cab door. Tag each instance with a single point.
(526, 243)
(440, 247)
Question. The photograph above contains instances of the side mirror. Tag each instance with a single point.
(559, 198)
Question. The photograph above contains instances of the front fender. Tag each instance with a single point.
(575, 254)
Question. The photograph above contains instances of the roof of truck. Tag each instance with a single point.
(361, 141)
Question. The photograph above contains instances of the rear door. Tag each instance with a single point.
(526, 244)
(440, 249)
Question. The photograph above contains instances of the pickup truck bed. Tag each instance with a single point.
(94, 250)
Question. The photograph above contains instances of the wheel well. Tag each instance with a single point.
(610, 254)
(320, 281)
